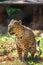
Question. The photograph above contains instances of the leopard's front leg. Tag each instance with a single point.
(19, 50)
(25, 53)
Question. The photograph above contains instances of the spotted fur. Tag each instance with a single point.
(25, 38)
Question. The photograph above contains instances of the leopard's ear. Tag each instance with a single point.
(20, 22)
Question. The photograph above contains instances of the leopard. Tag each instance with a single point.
(25, 38)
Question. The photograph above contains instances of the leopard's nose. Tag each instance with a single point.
(16, 34)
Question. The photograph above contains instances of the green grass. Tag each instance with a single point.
(41, 42)
(36, 61)
(5, 38)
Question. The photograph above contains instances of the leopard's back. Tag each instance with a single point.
(27, 40)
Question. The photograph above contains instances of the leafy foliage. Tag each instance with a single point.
(12, 11)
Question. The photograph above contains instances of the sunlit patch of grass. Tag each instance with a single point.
(41, 42)
(6, 38)
(15, 62)
(31, 62)
(7, 43)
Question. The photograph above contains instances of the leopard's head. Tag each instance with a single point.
(15, 27)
